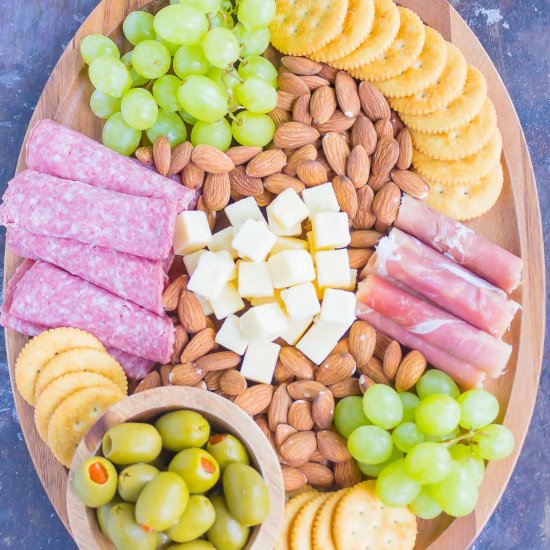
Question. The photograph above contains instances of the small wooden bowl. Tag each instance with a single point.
(222, 415)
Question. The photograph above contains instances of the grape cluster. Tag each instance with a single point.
(428, 450)
(191, 64)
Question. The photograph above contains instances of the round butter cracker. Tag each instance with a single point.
(321, 533)
(292, 507)
(300, 534)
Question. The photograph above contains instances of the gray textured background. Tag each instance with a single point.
(516, 35)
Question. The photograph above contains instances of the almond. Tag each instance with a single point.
(358, 166)
(341, 347)
(318, 456)
(180, 341)
(299, 415)
(307, 152)
(292, 84)
(190, 312)
(211, 160)
(255, 399)
(266, 163)
(305, 389)
(300, 110)
(362, 339)
(233, 382)
(280, 116)
(171, 296)
(301, 65)
(323, 104)
(192, 176)
(364, 219)
(245, 185)
(241, 154)
(373, 103)
(365, 382)
(293, 478)
(337, 152)
(363, 133)
(213, 378)
(333, 446)
(186, 374)
(396, 122)
(145, 155)
(317, 474)
(165, 371)
(365, 238)
(285, 100)
(261, 422)
(385, 156)
(220, 360)
(278, 408)
(282, 374)
(264, 198)
(181, 155)
(405, 149)
(322, 410)
(346, 195)
(283, 432)
(410, 183)
(374, 369)
(347, 474)
(294, 135)
(386, 203)
(335, 368)
(383, 129)
(298, 448)
(202, 343)
(162, 155)
(358, 257)
(312, 173)
(152, 380)
(345, 388)
(216, 191)
(376, 182)
(382, 343)
(338, 123)
(328, 72)
(370, 266)
(211, 215)
(277, 183)
(296, 362)
(410, 370)
(314, 81)
(392, 359)
(347, 95)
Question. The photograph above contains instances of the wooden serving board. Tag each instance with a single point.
(514, 223)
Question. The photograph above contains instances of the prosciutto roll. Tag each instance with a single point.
(435, 326)
(50, 297)
(448, 285)
(462, 244)
(51, 206)
(65, 153)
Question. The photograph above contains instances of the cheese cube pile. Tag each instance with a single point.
(287, 285)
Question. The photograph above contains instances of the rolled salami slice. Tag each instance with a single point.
(435, 326)
(52, 206)
(51, 297)
(136, 279)
(65, 153)
(448, 285)
(462, 244)
(135, 367)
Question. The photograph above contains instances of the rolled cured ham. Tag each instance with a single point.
(47, 205)
(462, 244)
(136, 279)
(50, 297)
(448, 285)
(65, 153)
(435, 326)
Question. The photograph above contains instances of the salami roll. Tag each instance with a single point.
(136, 279)
(48, 296)
(65, 153)
(47, 205)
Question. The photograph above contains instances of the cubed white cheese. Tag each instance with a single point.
(330, 230)
(205, 304)
(191, 260)
(275, 299)
(246, 209)
(321, 198)
(227, 302)
(263, 323)
(222, 241)
(211, 275)
(225, 255)
(301, 301)
(288, 208)
(332, 268)
(277, 229)
(192, 232)
(338, 307)
(255, 280)
(295, 330)
(288, 243)
(259, 362)
(253, 240)
(291, 267)
(319, 340)
(230, 336)
(352, 279)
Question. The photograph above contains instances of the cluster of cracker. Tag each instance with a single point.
(438, 95)
(344, 520)
(71, 380)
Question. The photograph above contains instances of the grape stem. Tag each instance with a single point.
(462, 437)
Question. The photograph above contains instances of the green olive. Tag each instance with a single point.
(131, 442)
(227, 532)
(163, 541)
(162, 501)
(125, 532)
(94, 481)
(183, 430)
(195, 521)
(199, 469)
(133, 479)
(102, 514)
(194, 545)
(226, 449)
(246, 494)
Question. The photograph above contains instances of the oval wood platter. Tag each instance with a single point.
(513, 223)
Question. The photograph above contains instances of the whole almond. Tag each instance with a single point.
(292, 84)
(211, 215)
(190, 312)
(328, 72)
(285, 101)
(192, 176)
(346, 195)
(211, 160)
(283, 432)
(180, 341)
(318, 456)
(162, 155)
(255, 399)
(385, 156)
(212, 379)
(370, 266)
(396, 122)
(294, 135)
(241, 154)
(151, 381)
(364, 219)
(296, 362)
(171, 296)
(358, 166)
(362, 339)
(216, 191)
(373, 103)
(322, 410)
(293, 478)
(383, 129)
(323, 104)
(277, 183)
(186, 374)
(307, 152)
(333, 446)
(358, 257)
(386, 203)
(410, 370)
(220, 360)
(374, 369)
(410, 183)
(278, 408)
(377, 181)
(392, 359)
(365, 238)
(300, 110)
(336, 151)
(363, 133)
(335, 368)
(280, 116)
(282, 374)
(365, 382)
(312, 173)
(298, 448)
(314, 81)
(338, 123)
(233, 382)
(318, 475)
(305, 389)
(299, 415)
(405, 149)
(345, 388)
(347, 95)
(264, 198)
(266, 163)
(165, 371)
(181, 155)
(347, 474)
(241, 182)
(341, 347)
(301, 65)
(382, 343)
(145, 155)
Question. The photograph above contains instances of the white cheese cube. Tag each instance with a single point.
(321, 198)
(259, 362)
(222, 241)
(338, 307)
(330, 230)
(301, 301)
(192, 232)
(280, 231)
(289, 209)
(275, 299)
(253, 240)
(227, 302)
(352, 279)
(332, 268)
(263, 323)
(288, 243)
(296, 329)
(230, 336)
(205, 304)
(211, 275)
(319, 340)
(291, 267)
(225, 255)
(243, 210)
(191, 260)
(255, 280)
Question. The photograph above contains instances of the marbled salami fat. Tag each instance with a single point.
(48, 205)
(65, 153)
(49, 296)
(136, 279)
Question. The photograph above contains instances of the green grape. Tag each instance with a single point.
(256, 13)
(190, 60)
(252, 41)
(406, 436)
(151, 59)
(120, 137)
(138, 26)
(230, 81)
(437, 415)
(424, 506)
(137, 80)
(428, 463)
(440, 438)
(139, 109)
(202, 98)
(349, 415)
(206, 6)
(382, 406)
(103, 106)
(373, 470)
(370, 444)
(260, 67)
(171, 47)
(187, 117)
(257, 95)
(97, 45)
(110, 76)
(181, 24)
(218, 134)
(222, 19)
(252, 129)
(215, 74)
(221, 47)
(395, 487)
(494, 442)
(409, 402)
(457, 493)
(466, 456)
(165, 90)
(169, 125)
(435, 382)
(477, 409)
